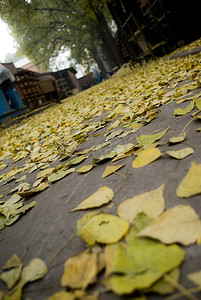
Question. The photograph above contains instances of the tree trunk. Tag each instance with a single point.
(98, 61)
(110, 47)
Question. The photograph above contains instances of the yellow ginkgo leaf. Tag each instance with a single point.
(182, 153)
(179, 224)
(102, 196)
(181, 111)
(146, 157)
(191, 184)
(151, 203)
(110, 170)
(104, 228)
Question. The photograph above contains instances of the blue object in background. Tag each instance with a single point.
(16, 101)
(4, 106)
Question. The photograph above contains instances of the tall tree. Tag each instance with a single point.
(42, 29)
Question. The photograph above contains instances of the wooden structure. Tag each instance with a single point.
(38, 89)
(150, 28)
(29, 89)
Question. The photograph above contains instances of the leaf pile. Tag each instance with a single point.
(123, 246)
(16, 276)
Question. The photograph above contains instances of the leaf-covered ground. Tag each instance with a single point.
(101, 194)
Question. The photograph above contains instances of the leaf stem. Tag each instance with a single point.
(179, 287)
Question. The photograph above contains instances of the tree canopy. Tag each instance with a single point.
(43, 29)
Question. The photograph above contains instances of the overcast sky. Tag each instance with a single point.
(6, 41)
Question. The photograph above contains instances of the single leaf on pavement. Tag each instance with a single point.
(177, 139)
(146, 157)
(85, 169)
(35, 270)
(191, 184)
(181, 111)
(77, 160)
(111, 169)
(179, 224)
(151, 203)
(12, 276)
(60, 174)
(104, 228)
(102, 196)
(13, 262)
(150, 138)
(80, 271)
(182, 153)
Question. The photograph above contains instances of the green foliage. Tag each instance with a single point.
(42, 29)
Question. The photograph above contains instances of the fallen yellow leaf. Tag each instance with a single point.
(104, 228)
(180, 154)
(146, 157)
(191, 184)
(152, 203)
(179, 224)
(111, 169)
(80, 271)
(181, 111)
(102, 196)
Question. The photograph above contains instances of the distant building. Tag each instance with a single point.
(37, 88)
